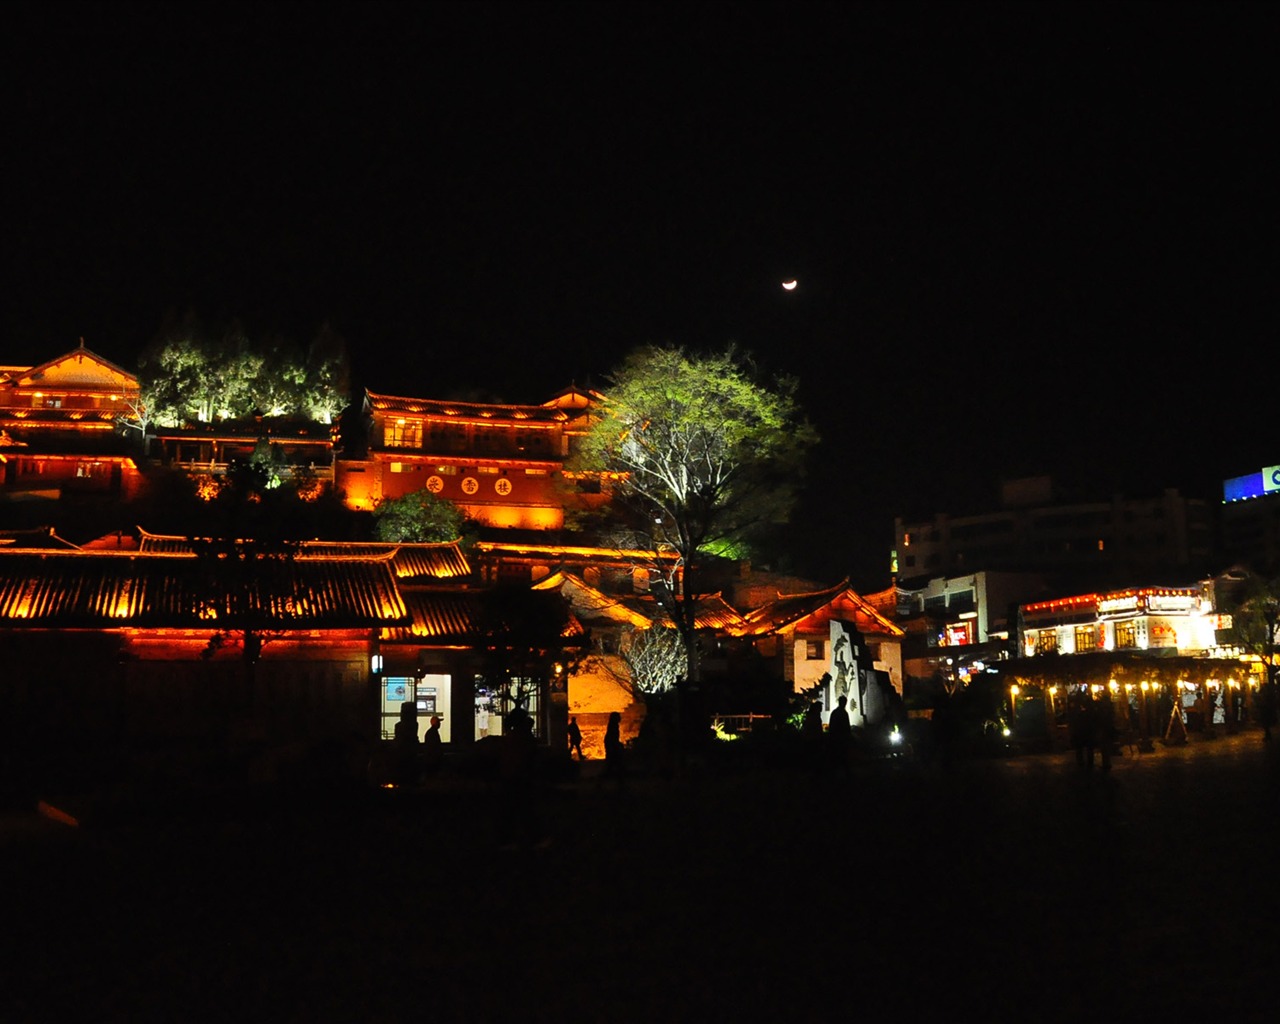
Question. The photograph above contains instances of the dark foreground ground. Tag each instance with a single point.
(999, 889)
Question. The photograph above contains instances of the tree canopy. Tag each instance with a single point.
(194, 373)
(705, 455)
(419, 517)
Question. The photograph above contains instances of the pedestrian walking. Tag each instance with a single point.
(575, 738)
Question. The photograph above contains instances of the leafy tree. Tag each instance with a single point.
(655, 661)
(1255, 619)
(193, 373)
(706, 455)
(420, 517)
(327, 380)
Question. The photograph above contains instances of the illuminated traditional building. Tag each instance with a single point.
(58, 427)
(292, 447)
(795, 631)
(149, 646)
(1174, 620)
(1157, 650)
(503, 465)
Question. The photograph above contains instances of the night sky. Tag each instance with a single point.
(1028, 237)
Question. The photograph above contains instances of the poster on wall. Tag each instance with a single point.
(396, 691)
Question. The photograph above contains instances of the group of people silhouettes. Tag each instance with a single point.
(1091, 726)
(416, 759)
(832, 748)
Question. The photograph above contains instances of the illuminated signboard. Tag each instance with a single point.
(1254, 485)
(959, 634)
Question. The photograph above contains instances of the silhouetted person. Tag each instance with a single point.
(518, 822)
(1080, 728)
(1267, 708)
(575, 738)
(840, 734)
(432, 748)
(614, 754)
(405, 745)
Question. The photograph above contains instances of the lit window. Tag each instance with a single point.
(1086, 639)
(404, 434)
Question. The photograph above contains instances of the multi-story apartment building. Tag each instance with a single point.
(1251, 520)
(1035, 531)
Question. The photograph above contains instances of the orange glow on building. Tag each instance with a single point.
(503, 465)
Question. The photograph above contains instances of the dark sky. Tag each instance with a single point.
(1028, 237)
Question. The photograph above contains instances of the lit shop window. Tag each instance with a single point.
(1086, 639)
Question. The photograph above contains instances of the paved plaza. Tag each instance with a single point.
(1018, 888)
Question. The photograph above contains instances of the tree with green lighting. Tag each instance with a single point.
(194, 373)
(419, 517)
(705, 453)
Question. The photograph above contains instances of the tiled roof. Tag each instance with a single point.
(711, 611)
(788, 609)
(591, 604)
(479, 412)
(451, 616)
(445, 616)
(109, 590)
(39, 537)
(411, 562)
(642, 610)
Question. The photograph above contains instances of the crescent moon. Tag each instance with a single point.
(789, 285)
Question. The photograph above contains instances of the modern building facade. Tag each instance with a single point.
(1034, 530)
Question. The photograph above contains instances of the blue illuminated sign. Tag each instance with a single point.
(1254, 485)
